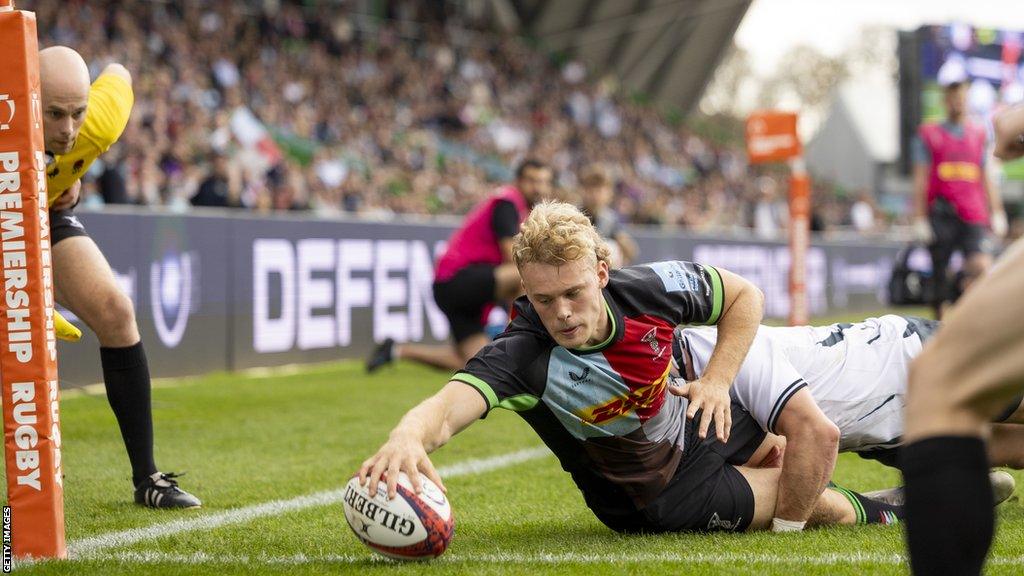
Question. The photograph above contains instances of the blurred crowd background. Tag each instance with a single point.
(284, 107)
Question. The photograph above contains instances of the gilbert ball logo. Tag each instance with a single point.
(170, 285)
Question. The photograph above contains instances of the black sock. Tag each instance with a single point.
(126, 375)
(870, 511)
(950, 519)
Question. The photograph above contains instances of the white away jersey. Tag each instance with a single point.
(857, 373)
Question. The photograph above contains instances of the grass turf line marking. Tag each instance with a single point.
(95, 544)
(71, 390)
(202, 558)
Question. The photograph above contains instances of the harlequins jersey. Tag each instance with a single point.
(605, 411)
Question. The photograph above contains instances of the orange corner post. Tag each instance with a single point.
(28, 352)
(772, 136)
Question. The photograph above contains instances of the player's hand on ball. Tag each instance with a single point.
(398, 454)
(713, 398)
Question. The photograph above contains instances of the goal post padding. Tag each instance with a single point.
(28, 351)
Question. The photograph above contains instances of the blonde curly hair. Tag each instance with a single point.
(556, 233)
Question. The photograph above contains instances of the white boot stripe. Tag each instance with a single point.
(159, 497)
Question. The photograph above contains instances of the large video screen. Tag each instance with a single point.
(990, 61)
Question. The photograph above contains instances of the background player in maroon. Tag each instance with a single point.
(475, 273)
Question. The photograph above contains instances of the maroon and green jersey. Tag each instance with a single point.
(605, 411)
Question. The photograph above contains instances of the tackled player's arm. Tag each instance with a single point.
(812, 445)
(422, 430)
(742, 309)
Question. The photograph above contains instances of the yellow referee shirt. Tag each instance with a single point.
(110, 104)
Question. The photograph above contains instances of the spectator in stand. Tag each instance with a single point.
(393, 120)
(597, 190)
(216, 190)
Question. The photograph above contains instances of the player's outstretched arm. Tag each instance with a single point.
(812, 445)
(422, 430)
(742, 308)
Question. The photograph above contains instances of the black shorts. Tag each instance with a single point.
(64, 224)
(952, 234)
(707, 492)
(464, 298)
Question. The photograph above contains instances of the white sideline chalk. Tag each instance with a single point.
(93, 544)
(730, 558)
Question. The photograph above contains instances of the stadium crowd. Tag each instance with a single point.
(288, 108)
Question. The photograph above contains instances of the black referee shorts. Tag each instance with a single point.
(64, 224)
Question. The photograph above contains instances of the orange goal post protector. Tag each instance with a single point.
(772, 136)
(28, 349)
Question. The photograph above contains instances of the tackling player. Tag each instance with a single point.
(833, 389)
(80, 122)
(964, 377)
(585, 361)
(475, 273)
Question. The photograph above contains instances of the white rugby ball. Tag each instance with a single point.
(410, 527)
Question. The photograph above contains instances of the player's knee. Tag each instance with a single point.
(117, 315)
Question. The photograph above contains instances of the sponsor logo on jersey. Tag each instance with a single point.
(634, 399)
(675, 277)
(580, 377)
(651, 338)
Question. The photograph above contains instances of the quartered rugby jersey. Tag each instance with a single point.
(605, 411)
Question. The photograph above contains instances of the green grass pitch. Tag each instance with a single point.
(249, 440)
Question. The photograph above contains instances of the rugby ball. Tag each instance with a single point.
(410, 527)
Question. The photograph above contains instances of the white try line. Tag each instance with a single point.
(731, 558)
(93, 544)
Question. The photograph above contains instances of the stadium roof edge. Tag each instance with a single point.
(666, 50)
